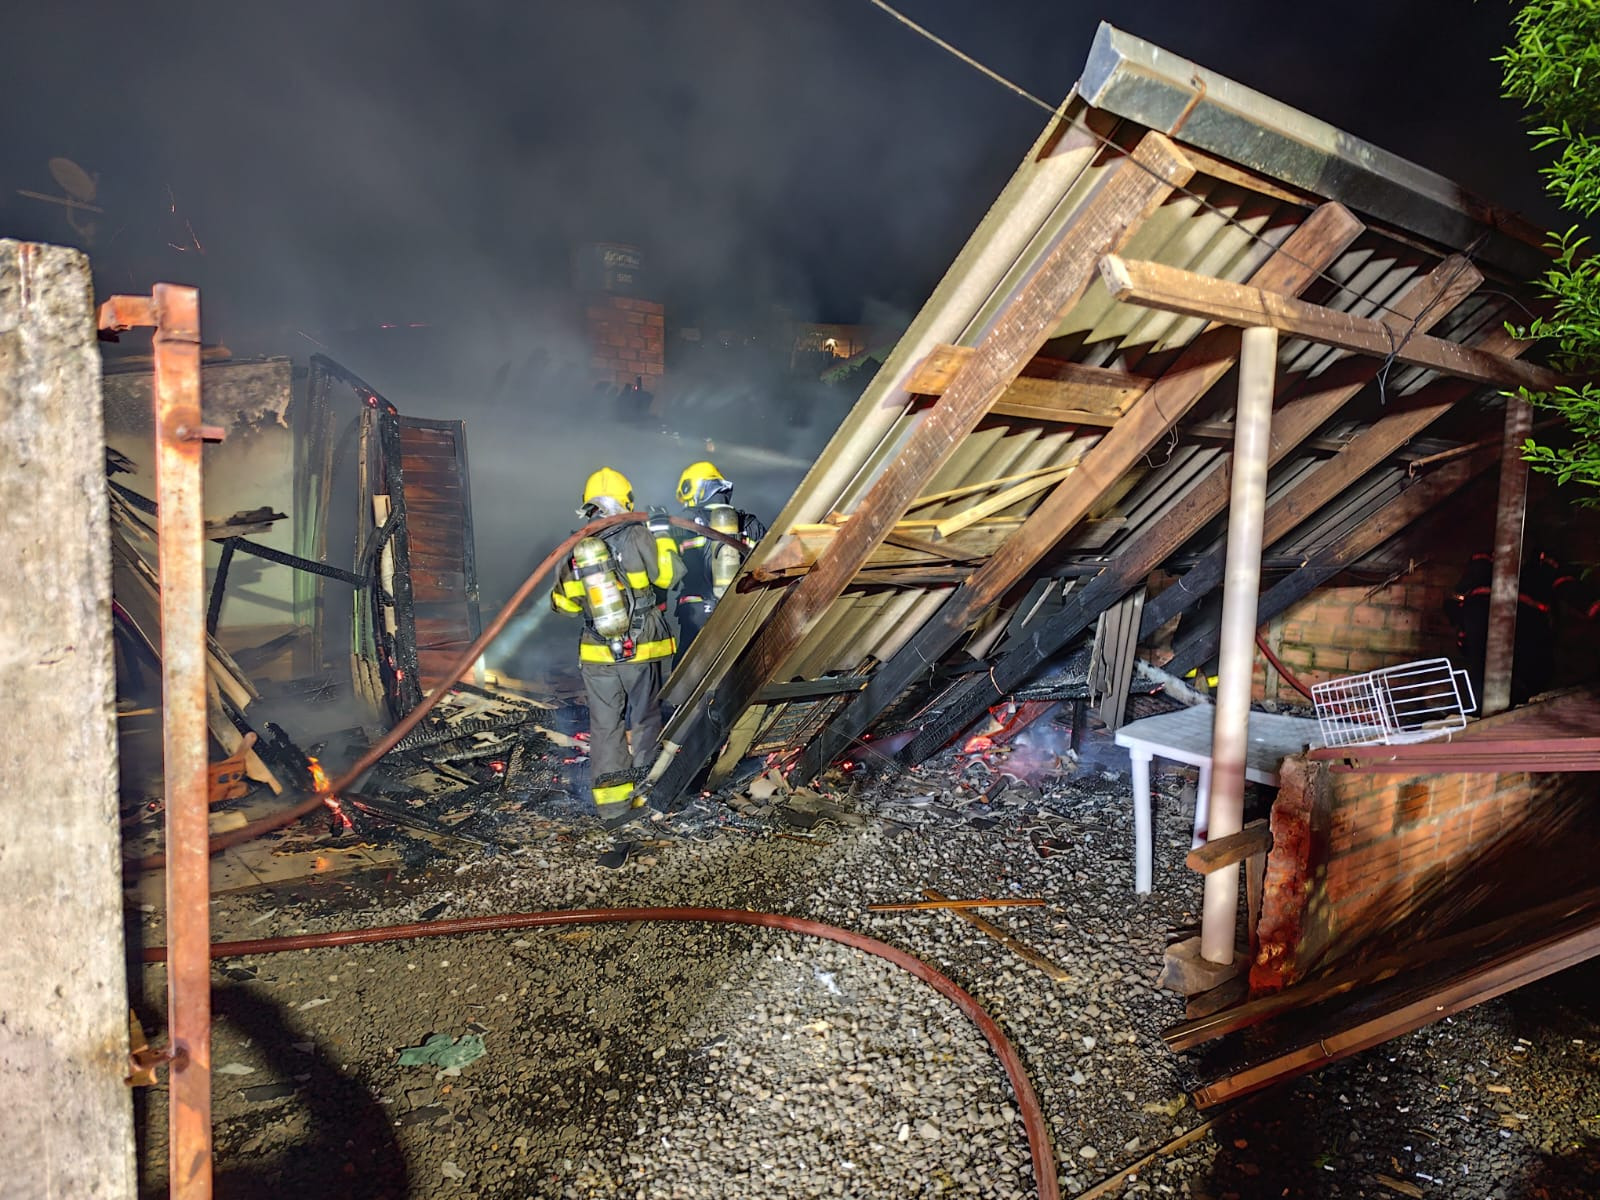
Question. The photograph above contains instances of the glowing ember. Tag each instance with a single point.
(978, 745)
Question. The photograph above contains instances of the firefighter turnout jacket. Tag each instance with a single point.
(647, 561)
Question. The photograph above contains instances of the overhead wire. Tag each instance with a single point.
(1058, 112)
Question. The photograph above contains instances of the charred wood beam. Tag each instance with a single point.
(1422, 307)
(1366, 450)
(1310, 249)
(404, 680)
(810, 689)
(1127, 192)
(1414, 501)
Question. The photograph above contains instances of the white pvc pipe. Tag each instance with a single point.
(1230, 736)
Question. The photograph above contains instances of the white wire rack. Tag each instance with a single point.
(1412, 702)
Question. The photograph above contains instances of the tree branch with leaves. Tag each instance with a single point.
(1553, 68)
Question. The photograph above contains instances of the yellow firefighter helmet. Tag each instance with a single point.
(611, 483)
(699, 483)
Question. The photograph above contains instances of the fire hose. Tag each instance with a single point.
(1033, 1122)
(456, 673)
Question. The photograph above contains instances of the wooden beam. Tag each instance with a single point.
(1310, 249)
(972, 489)
(1125, 194)
(1511, 508)
(1187, 1034)
(1567, 946)
(1360, 454)
(1254, 838)
(1418, 499)
(1012, 943)
(810, 689)
(1047, 387)
(1171, 289)
(951, 526)
(939, 551)
(1424, 305)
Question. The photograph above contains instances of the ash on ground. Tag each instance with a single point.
(669, 1060)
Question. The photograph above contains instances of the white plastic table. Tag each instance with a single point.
(1185, 736)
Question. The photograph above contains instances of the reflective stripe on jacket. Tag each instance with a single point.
(648, 562)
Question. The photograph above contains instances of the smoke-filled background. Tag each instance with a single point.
(402, 185)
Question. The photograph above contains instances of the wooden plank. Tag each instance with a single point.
(1125, 194)
(1296, 419)
(1111, 672)
(919, 905)
(1191, 1033)
(1171, 289)
(1255, 882)
(810, 689)
(951, 526)
(1309, 250)
(1046, 386)
(970, 489)
(1012, 943)
(232, 741)
(1254, 838)
(1509, 971)
(937, 550)
(799, 553)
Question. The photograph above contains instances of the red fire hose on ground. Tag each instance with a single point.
(412, 719)
(1033, 1122)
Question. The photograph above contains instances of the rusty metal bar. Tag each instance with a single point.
(181, 529)
(1258, 363)
(179, 433)
(1509, 514)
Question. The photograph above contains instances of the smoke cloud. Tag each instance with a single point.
(324, 170)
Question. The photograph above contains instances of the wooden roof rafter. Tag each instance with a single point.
(1127, 193)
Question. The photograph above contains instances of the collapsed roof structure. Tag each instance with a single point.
(1056, 413)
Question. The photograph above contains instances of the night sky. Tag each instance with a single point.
(345, 164)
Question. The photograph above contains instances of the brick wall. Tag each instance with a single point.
(1347, 630)
(626, 340)
(1363, 862)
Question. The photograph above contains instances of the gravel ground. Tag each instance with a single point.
(652, 1060)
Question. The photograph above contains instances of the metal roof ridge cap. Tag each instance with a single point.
(1140, 81)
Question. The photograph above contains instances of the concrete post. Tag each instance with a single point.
(66, 1117)
(1230, 736)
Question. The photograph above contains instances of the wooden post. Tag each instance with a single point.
(1504, 584)
(1258, 366)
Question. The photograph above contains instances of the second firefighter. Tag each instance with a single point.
(709, 563)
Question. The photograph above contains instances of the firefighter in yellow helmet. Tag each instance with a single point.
(610, 581)
(709, 564)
